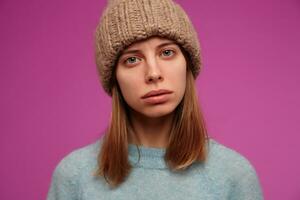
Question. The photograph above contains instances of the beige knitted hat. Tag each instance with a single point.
(124, 22)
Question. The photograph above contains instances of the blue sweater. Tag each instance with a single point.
(226, 175)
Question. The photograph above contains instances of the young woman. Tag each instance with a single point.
(156, 145)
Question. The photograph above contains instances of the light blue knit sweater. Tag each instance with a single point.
(226, 175)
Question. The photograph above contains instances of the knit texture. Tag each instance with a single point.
(124, 22)
(226, 175)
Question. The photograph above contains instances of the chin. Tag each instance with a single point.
(158, 111)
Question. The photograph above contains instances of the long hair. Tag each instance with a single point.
(186, 145)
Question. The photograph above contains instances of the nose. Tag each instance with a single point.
(153, 74)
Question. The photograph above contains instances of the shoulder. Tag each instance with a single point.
(235, 170)
(71, 165)
(68, 171)
(225, 159)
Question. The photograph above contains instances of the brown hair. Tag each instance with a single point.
(188, 135)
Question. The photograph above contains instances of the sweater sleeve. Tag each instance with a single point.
(63, 184)
(246, 185)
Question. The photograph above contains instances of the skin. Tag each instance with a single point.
(151, 67)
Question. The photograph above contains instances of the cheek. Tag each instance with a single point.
(178, 75)
(181, 82)
(128, 86)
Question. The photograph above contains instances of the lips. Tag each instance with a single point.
(156, 93)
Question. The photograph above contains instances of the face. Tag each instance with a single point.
(151, 65)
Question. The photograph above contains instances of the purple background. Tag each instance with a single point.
(52, 102)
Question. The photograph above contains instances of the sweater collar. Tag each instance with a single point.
(150, 157)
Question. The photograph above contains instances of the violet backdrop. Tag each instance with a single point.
(52, 102)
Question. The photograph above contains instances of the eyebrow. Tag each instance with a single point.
(136, 50)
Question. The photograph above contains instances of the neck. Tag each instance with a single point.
(150, 132)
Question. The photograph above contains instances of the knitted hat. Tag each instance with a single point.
(124, 22)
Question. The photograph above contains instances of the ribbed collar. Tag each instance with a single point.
(150, 157)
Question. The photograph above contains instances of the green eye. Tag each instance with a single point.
(130, 60)
(168, 52)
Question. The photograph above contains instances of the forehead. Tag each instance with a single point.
(155, 40)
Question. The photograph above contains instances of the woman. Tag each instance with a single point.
(156, 146)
